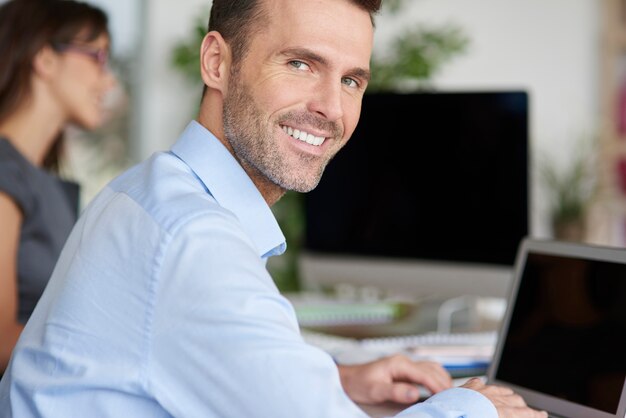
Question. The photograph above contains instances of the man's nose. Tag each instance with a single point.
(327, 100)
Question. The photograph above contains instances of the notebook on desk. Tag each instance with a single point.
(562, 345)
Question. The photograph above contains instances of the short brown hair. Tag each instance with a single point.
(237, 20)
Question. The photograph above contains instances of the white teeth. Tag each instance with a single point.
(304, 136)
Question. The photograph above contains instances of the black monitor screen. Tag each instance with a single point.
(433, 176)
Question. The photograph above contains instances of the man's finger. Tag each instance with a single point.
(399, 392)
(429, 374)
(523, 412)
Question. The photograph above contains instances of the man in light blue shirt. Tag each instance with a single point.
(161, 305)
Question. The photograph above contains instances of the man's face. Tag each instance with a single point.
(295, 98)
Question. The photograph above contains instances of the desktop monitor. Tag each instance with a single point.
(429, 196)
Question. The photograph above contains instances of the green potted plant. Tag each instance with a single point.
(571, 188)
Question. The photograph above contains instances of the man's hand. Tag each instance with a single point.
(507, 403)
(392, 379)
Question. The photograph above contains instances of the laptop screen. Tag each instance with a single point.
(567, 331)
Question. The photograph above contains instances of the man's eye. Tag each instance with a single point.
(299, 65)
(350, 82)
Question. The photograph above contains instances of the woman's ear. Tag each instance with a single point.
(215, 61)
(45, 62)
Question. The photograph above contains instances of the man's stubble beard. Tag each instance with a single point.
(255, 147)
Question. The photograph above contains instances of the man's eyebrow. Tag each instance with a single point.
(315, 57)
(361, 73)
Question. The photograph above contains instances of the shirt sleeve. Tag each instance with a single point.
(224, 342)
(452, 403)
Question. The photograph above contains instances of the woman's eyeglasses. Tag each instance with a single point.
(99, 55)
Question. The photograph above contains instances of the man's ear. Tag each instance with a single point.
(45, 62)
(215, 61)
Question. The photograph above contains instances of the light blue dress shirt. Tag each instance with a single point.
(161, 306)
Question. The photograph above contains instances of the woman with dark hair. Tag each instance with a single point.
(53, 72)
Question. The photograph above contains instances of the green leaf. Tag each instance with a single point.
(417, 54)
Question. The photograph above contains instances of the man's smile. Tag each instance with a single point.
(303, 136)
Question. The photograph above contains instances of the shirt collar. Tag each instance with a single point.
(230, 186)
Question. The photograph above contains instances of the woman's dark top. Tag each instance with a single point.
(49, 208)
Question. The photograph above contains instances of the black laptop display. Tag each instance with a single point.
(563, 341)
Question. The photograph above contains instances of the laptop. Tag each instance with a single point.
(562, 345)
